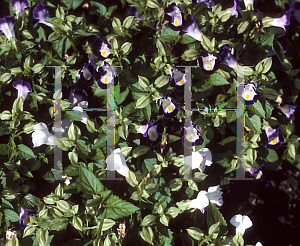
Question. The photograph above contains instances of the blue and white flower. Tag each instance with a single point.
(256, 171)
(214, 194)
(23, 87)
(288, 109)
(152, 131)
(77, 95)
(210, 3)
(248, 93)
(41, 135)
(166, 106)
(106, 76)
(209, 62)
(24, 217)
(177, 79)
(103, 47)
(200, 159)
(191, 28)
(86, 73)
(274, 138)
(192, 134)
(40, 14)
(241, 222)
(79, 110)
(174, 15)
(7, 26)
(226, 57)
(282, 21)
(20, 5)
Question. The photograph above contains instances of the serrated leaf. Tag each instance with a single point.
(89, 181)
(257, 108)
(217, 79)
(25, 152)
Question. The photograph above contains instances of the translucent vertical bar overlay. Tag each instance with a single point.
(240, 143)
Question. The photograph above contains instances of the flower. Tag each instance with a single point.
(116, 162)
(214, 194)
(23, 88)
(241, 222)
(166, 107)
(210, 4)
(283, 21)
(20, 5)
(174, 15)
(209, 62)
(105, 76)
(200, 159)
(86, 73)
(249, 93)
(65, 125)
(40, 14)
(152, 131)
(79, 110)
(7, 26)
(274, 138)
(295, 10)
(288, 109)
(233, 9)
(258, 244)
(201, 202)
(256, 172)
(77, 95)
(226, 57)
(246, 2)
(10, 234)
(24, 217)
(67, 179)
(247, 128)
(192, 135)
(103, 47)
(178, 79)
(122, 228)
(191, 28)
(132, 11)
(41, 135)
(92, 59)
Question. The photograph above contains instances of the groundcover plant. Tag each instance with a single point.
(121, 121)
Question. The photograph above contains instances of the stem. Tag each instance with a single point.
(120, 62)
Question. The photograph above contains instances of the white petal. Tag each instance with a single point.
(116, 162)
(236, 220)
(258, 244)
(247, 223)
(201, 201)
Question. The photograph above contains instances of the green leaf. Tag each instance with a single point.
(74, 132)
(214, 216)
(37, 68)
(116, 24)
(190, 54)
(257, 108)
(170, 36)
(128, 22)
(143, 81)
(25, 152)
(77, 223)
(149, 162)
(217, 79)
(11, 215)
(238, 240)
(195, 233)
(117, 208)
(107, 224)
(175, 184)
(270, 93)
(161, 81)
(242, 26)
(142, 102)
(272, 155)
(152, 4)
(126, 48)
(147, 234)
(148, 220)
(253, 122)
(205, 42)
(29, 230)
(89, 181)
(140, 150)
(72, 115)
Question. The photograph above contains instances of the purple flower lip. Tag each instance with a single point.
(86, 73)
(274, 138)
(20, 5)
(288, 110)
(226, 57)
(153, 132)
(247, 93)
(191, 28)
(192, 134)
(103, 47)
(24, 217)
(40, 14)
(177, 79)
(209, 62)
(7, 26)
(132, 11)
(106, 76)
(166, 107)
(23, 88)
(174, 15)
(282, 21)
(256, 171)
(77, 95)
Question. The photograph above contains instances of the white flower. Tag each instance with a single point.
(79, 110)
(241, 222)
(41, 135)
(65, 125)
(200, 159)
(201, 202)
(258, 244)
(214, 194)
(246, 2)
(116, 162)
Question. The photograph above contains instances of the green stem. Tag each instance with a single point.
(120, 62)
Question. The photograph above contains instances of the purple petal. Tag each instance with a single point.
(40, 13)
(23, 88)
(20, 5)
(191, 28)
(7, 26)
(77, 95)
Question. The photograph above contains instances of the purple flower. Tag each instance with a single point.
(177, 79)
(288, 109)
(210, 4)
(192, 134)
(105, 76)
(295, 10)
(256, 171)
(209, 62)
(226, 57)
(77, 95)
(92, 59)
(174, 15)
(103, 47)
(86, 73)
(274, 138)
(166, 107)
(248, 93)
(20, 5)
(23, 88)
(24, 217)
(41, 14)
(132, 11)
(283, 21)
(7, 26)
(191, 28)
(233, 9)
(152, 131)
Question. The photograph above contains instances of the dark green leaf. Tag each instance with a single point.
(25, 152)
(89, 181)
